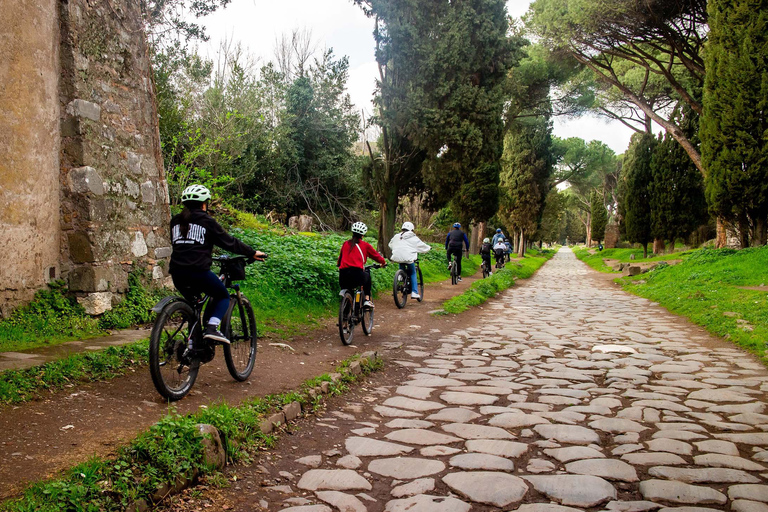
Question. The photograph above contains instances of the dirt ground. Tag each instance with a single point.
(41, 438)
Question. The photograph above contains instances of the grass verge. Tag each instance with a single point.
(596, 260)
(18, 386)
(484, 289)
(172, 451)
(707, 288)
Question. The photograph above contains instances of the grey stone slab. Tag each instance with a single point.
(481, 461)
(704, 475)
(405, 468)
(421, 437)
(632, 506)
(342, 501)
(420, 486)
(438, 451)
(748, 506)
(575, 490)
(409, 423)
(610, 469)
(366, 447)
(425, 503)
(545, 507)
(617, 425)
(488, 487)
(501, 448)
(411, 404)
(756, 439)
(653, 458)
(714, 446)
(670, 446)
(454, 415)
(679, 492)
(391, 412)
(753, 492)
(470, 431)
(458, 398)
(333, 479)
(570, 434)
(571, 453)
(516, 420)
(718, 460)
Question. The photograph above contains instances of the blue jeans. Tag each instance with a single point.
(193, 282)
(411, 269)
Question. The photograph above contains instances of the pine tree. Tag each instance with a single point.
(599, 216)
(735, 119)
(634, 202)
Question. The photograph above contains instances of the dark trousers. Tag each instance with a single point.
(191, 283)
(351, 278)
(458, 253)
(486, 258)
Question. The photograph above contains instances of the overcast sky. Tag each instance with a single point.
(340, 25)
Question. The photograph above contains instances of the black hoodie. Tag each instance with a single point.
(193, 252)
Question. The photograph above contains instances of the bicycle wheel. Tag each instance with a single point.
(240, 325)
(346, 318)
(399, 289)
(421, 284)
(172, 374)
(367, 321)
(485, 270)
(454, 276)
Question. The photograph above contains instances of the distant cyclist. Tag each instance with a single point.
(352, 257)
(406, 247)
(500, 250)
(193, 235)
(499, 234)
(485, 253)
(453, 245)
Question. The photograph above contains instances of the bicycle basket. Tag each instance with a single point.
(235, 269)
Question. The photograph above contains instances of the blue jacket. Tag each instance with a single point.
(496, 237)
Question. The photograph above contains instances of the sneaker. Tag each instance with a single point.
(368, 304)
(415, 296)
(213, 333)
(490, 273)
(459, 279)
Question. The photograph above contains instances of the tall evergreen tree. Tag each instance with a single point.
(599, 216)
(735, 119)
(634, 202)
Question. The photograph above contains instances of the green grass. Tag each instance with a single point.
(18, 386)
(169, 450)
(704, 289)
(595, 261)
(484, 289)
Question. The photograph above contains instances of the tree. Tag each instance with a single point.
(734, 123)
(599, 217)
(635, 201)
(553, 218)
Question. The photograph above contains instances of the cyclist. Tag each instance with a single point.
(499, 234)
(509, 249)
(500, 250)
(352, 257)
(193, 235)
(453, 245)
(485, 253)
(406, 247)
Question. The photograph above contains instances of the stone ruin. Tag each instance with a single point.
(81, 177)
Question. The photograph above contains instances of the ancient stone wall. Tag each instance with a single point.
(87, 195)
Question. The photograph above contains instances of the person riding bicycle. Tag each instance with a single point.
(499, 234)
(406, 247)
(453, 245)
(500, 250)
(485, 253)
(352, 257)
(193, 234)
(509, 249)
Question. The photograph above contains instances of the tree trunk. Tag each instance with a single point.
(743, 233)
(658, 246)
(521, 247)
(671, 247)
(478, 230)
(759, 234)
(645, 250)
(387, 217)
(588, 226)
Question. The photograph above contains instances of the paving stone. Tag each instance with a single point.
(760, 439)
(680, 435)
(481, 461)
(536, 466)
(307, 508)
(571, 434)
(421, 437)
(415, 391)
(545, 507)
(405, 468)
(509, 449)
(610, 469)
(332, 479)
(425, 503)
(430, 381)
(407, 423)
(312, 461)
(714, 446)
(470, 431)
(391, 412)
(717, 460)
(706, 475)
(617, 425)
(488, 487)
(420, 486)
(516, 420)
(719, 395)
(754, 492)
(438, 451)
(343, 502)
(679, 492)
(367, 447)
(571, 453)
(457, 398)
(748, 506)
(349, 462)
(411, 404)
(688, 509)
(611, 403)
(576, 490)
(670, 446)
(454, 415)
(653, 458)
(632, 506)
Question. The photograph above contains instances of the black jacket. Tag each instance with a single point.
(193, 252)
(486, 249)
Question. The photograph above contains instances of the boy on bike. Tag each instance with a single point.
(352, 257)
(500, 250)
(485, 253)
(193, 235)
(406, 247)
(453, 245)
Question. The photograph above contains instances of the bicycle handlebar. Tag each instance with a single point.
(369, 267)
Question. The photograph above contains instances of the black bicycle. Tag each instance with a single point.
(177, 347)
(453, 267)
(352, 312)
(500, 259)
(402, 287)
(486, 266)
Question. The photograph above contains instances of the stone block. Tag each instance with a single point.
(148, 194)
(86, 109)
(80, 247)
(163, 252)
(325, 387)
(96, 303)
(355, 368)
(70, 127)
(90, 279)
(138, 245)
(214, 450)
(132, 188)
(133, 161)
(634, 271)
(292, 411)
(157, 272)
(85, 180)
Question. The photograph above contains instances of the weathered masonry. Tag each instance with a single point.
(81, 179)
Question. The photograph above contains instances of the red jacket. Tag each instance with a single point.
(352, 257)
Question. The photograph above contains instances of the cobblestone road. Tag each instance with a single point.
(570, 396)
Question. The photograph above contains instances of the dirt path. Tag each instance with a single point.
(564, 392)
(40, 438)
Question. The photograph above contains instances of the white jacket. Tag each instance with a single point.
(406, 247)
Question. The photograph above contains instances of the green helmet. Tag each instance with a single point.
(195, 193)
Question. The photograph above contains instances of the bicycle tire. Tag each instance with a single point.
(367, 321)
(421, 285)
(346, 319)
(454, 277)
(240, 329)
(485, 270)
(167, 353)
(399, 292)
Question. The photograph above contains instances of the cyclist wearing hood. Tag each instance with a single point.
(406, 247)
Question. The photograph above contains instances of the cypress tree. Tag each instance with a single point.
(634, 190)
(599, 216)
(735, 119)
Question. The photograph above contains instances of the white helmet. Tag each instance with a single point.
(408, 225)
(359, 228)
(195, 193)
(486, 240)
